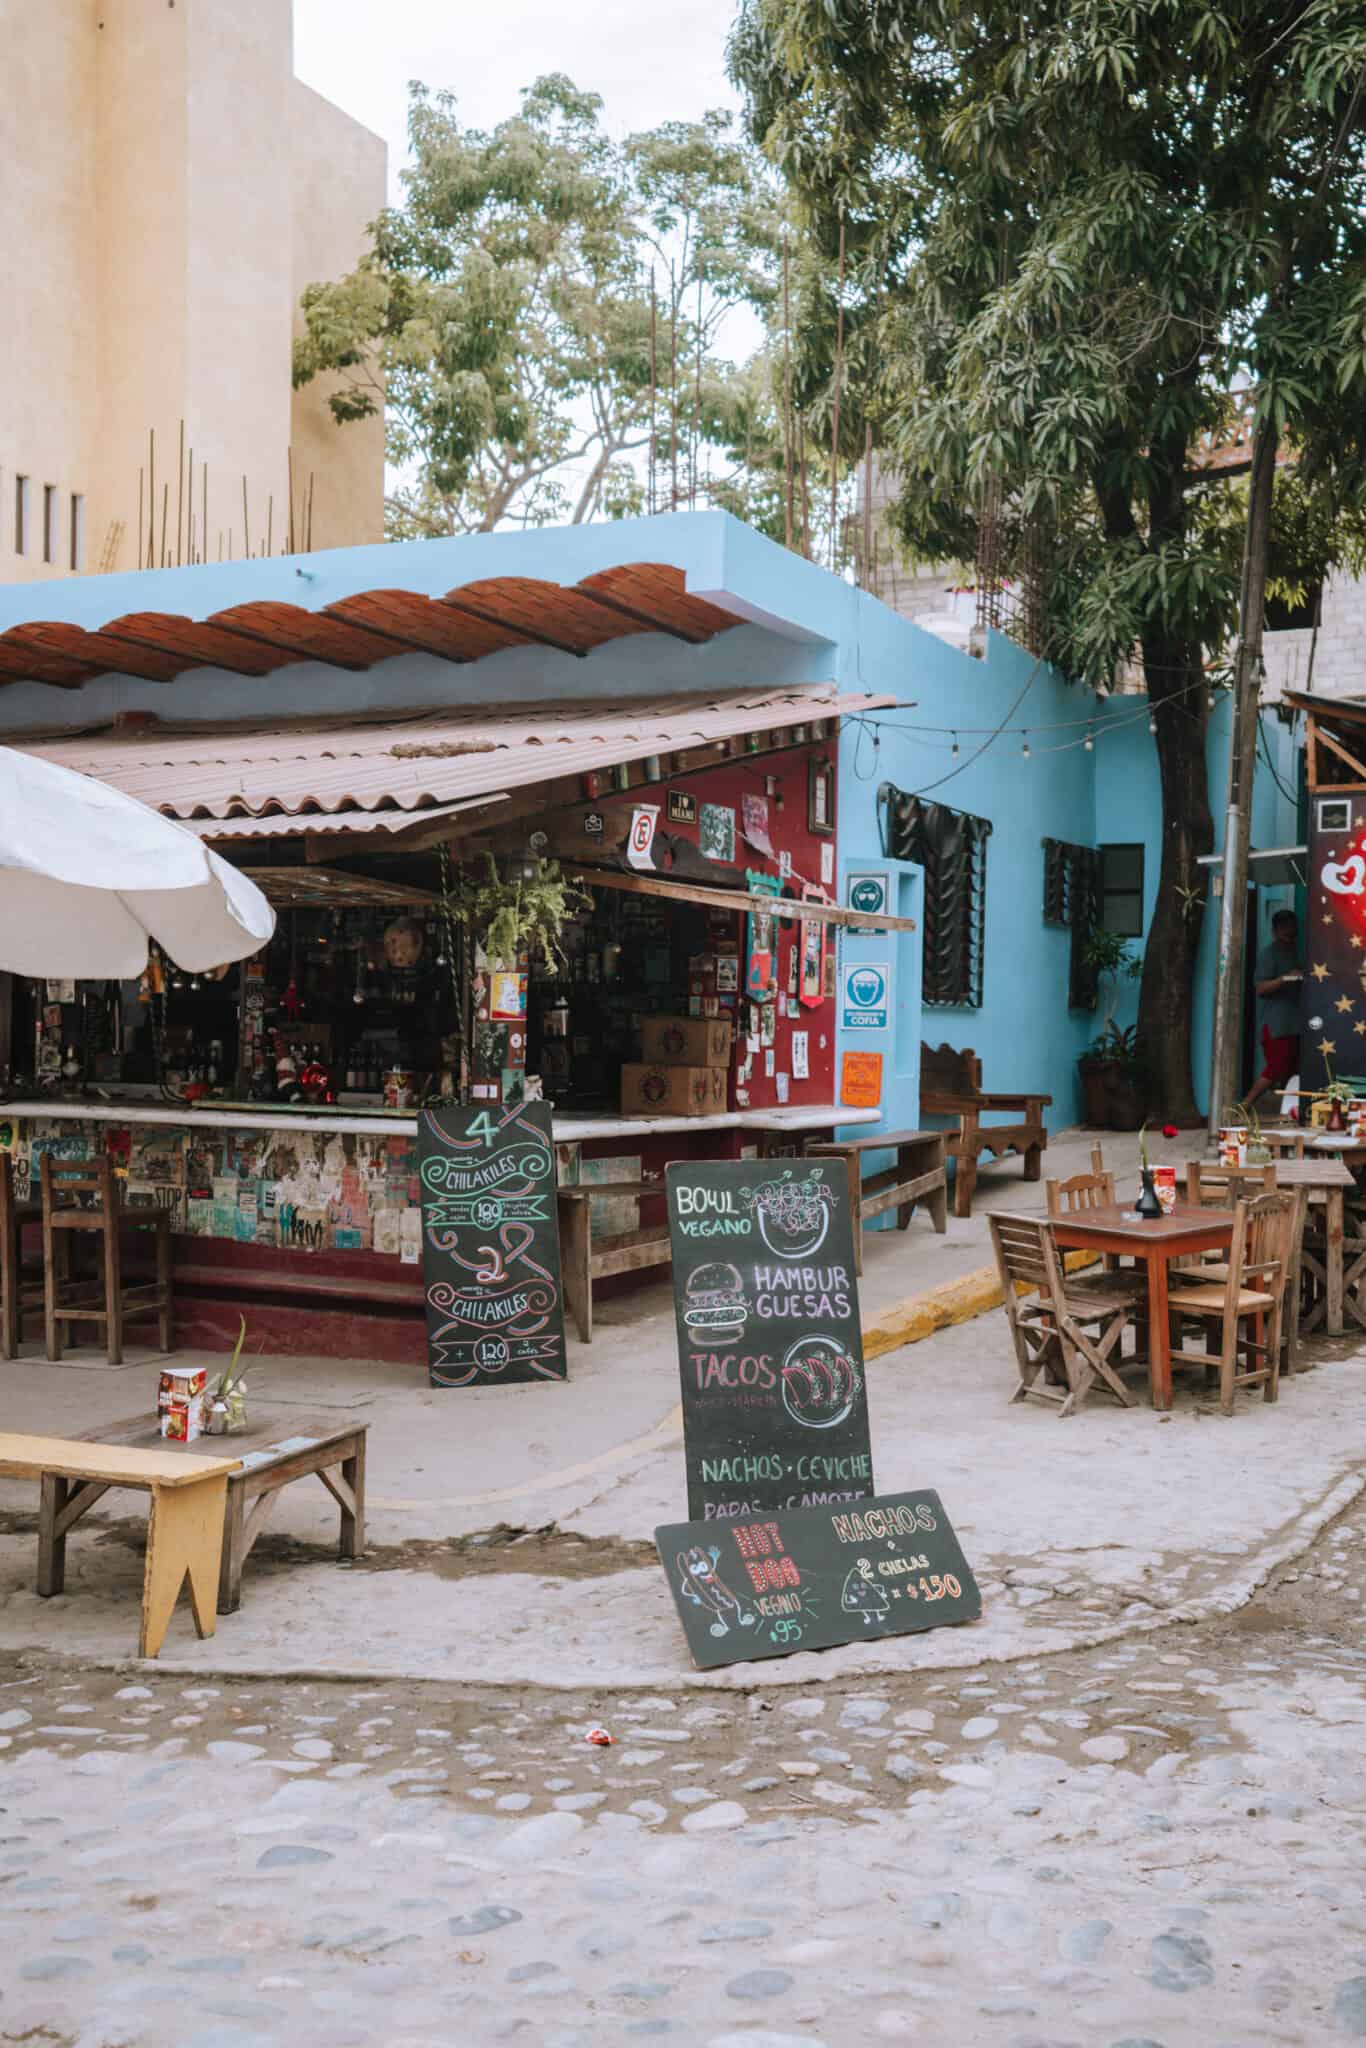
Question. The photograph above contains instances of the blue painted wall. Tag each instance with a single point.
(1024, 1033)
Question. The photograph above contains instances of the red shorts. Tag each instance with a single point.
(1282, 1058)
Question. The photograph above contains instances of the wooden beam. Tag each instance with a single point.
(741, 899)
(1335, 746)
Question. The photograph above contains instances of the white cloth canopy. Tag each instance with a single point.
(88, 875)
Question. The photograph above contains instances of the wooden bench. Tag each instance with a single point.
(951, 1085)
(289, 1444)
(918, 1175)
(184, 1522)
(583, 1261)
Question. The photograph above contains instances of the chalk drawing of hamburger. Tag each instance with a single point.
(714, 1305)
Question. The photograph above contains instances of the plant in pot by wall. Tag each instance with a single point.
(509, 914)
(1113, 1071)
(1337, 1094)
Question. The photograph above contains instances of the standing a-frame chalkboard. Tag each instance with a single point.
(770, 1346)
(490, 1245)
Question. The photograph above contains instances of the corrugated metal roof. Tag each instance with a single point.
(322, 767)
(469, 622)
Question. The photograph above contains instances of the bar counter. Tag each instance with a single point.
(332, 1121)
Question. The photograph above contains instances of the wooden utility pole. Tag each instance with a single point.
(835, 408)
(1225, 1066)
(787, 395)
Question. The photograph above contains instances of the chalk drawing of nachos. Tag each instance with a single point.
(701, 1583)
(793, 1215)
(820, 1382)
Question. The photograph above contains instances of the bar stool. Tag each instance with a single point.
(101, 1297)
(21, 1286)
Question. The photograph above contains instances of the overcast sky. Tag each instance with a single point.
(651, 60)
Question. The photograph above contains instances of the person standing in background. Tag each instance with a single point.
(1278, 978)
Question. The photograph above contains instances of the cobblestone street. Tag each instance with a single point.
(1155, 1844)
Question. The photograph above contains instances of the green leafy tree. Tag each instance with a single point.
(506, 315)
(1075, 228)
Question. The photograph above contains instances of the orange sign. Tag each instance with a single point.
(861, 1080)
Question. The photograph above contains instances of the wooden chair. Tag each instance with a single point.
(1223, 1187)
(70, 1297)
(951, 1085)
(1068, 1336)
(21, 1287)
(1093, 1190)
(1252, 1293)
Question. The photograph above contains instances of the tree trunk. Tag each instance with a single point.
(1177, 697)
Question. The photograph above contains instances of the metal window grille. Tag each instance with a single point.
(951, 847)
(1072, 898)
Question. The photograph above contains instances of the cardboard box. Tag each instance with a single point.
(182, 1402)
(685, 1042)
(649, 1089)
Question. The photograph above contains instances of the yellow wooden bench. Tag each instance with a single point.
(184, 1521)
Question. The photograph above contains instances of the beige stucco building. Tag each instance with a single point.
(169, 189)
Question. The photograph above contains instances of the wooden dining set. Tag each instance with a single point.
(1223, 1284)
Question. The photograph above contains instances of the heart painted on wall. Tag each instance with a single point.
(1346, 879)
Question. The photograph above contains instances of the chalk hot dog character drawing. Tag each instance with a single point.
(700, 1583)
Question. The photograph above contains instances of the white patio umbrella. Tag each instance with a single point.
(88, 875)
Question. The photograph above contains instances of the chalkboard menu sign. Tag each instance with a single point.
(490, 1245)
(770, 1348)
(809, 1580)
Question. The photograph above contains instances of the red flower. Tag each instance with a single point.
(1170, 1131)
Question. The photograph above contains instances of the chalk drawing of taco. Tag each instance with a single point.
(793, 1215)
(820, 1382)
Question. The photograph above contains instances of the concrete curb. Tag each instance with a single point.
(953, 1301)
(944, 1650)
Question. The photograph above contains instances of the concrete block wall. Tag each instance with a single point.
(1340, 655)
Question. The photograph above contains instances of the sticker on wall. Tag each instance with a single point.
(754, 822)
(868, 890)
(716, 832)
(507, 1004)
(785, 864)
(801, 1070)
(682, 807)
(769, 1063)
(782, 1085)
(827, 862)
(727, 973)
(865, 997)
(861, 1080)
(641, 839)
(593, 824)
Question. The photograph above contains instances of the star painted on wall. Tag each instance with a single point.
(1343, 1003)
(1319, 971)
(1326, 1046)
(1360, 1029)
(1356, 941)
(1325, 919)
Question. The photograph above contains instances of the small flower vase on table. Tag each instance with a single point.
(1147, 1204)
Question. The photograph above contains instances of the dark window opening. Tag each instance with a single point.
(1121, 890)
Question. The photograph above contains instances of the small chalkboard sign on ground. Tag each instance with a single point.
(817, 1577)
(770, 1345)
(490, 1245)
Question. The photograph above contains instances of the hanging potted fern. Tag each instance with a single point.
(508, 915)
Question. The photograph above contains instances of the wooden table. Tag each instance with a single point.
(1324, 1173)
(286, 1445)
(184, 1521)
(918, 1175)
(1156, 1242)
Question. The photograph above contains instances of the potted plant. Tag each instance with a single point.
(1256, 1151)
(1112, 1069)
(228, 1395)
(1337, 1094)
